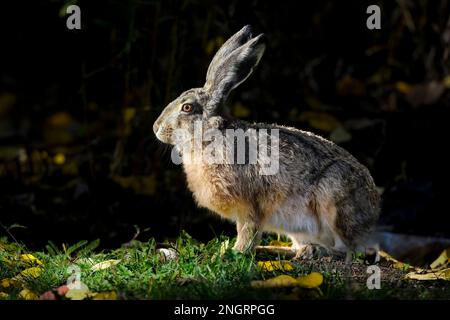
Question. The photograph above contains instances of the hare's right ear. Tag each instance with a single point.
(232, 64)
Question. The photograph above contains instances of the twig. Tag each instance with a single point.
(288, 252)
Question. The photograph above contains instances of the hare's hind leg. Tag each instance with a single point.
(306, 248)
(306, 252)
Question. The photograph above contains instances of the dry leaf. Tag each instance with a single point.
(430, 275)
(240, 111)
(312, 280)
(60, 119)
(140, 184)
(33, 272)
(27, 294)
(447, 81)
(277, 243)
(29, 258)
(128, 115)
(423, 93)
(213, 44)
(442, 261)
(108, 295)
(349, 86)
(105, 264)
(403, 87)
(320, 120)
(282, 265)
(395, 263)
(282, 281)
(59, 159)
(6, 283)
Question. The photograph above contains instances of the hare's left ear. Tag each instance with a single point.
(231, 70)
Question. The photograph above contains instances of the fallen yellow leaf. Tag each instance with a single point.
(30, 259)
(240, 111)
(442, 261)
(59, 158)
(403, 87)
(6, 283)
(140, 184)
(129, 114)
(395, 263)
(430, 275)
(312, 280)
(60, 119)
(105, 264)
(108, 295)
(27, 294)
(278, 243)
(447, 81)
(214, 44)
(320, 120)
(33, 272)
(282, 281)
(282, 265)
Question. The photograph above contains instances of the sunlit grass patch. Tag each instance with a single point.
(192, 270)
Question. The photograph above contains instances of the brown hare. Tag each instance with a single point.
(320, 194)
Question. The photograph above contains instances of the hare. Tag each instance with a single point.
(320, 194)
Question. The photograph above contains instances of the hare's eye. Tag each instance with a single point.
(187, 107)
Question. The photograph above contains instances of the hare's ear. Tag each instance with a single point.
(232, 67)
(237, 40)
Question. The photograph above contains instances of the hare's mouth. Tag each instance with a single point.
(164, 135)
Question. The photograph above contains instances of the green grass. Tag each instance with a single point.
(198, 272)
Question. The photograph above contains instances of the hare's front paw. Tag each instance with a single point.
(241, 247)
(248, 236)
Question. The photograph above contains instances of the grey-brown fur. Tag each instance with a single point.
(321, 193)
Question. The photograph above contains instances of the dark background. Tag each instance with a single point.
(78, 158)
